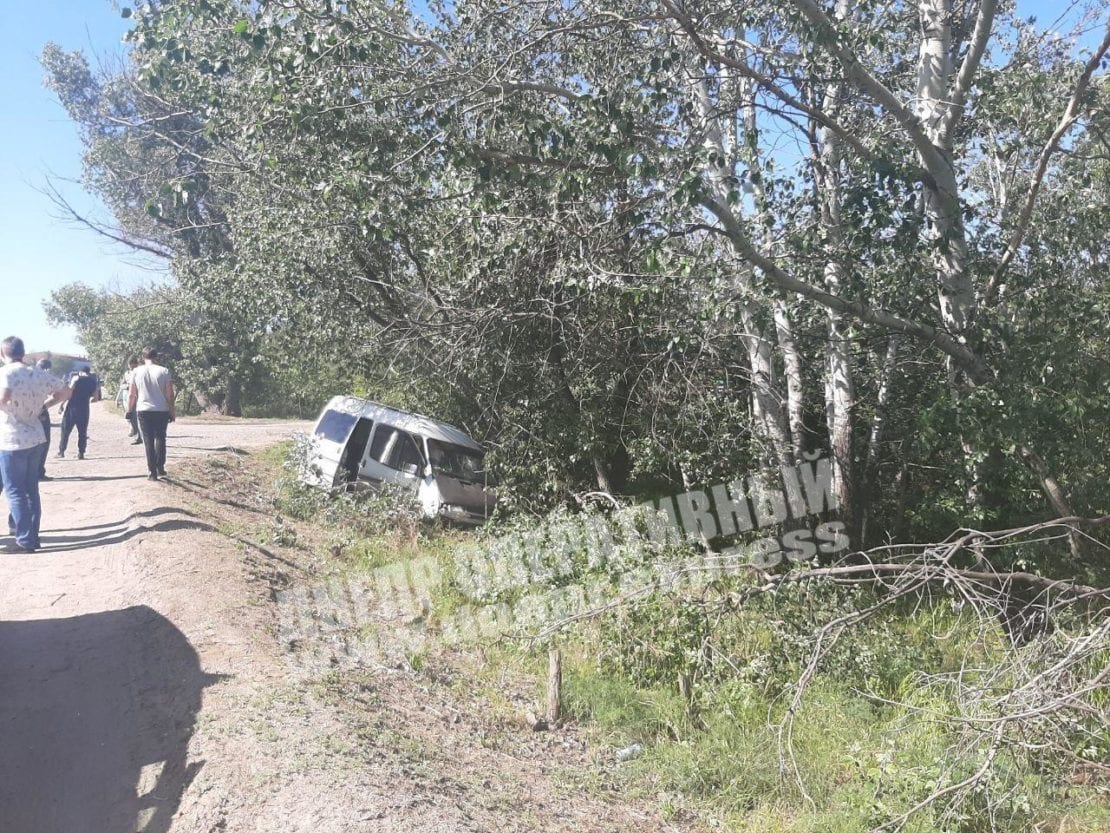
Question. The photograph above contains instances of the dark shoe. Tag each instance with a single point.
(152, 476)
(80, 455)
(139, 441)
(162, 473)
(16, 548)
(133, 434)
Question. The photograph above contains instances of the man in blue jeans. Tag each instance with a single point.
(23, 392)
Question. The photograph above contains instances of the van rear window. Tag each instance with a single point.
(335, 426)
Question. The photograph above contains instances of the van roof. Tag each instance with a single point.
(405, 420)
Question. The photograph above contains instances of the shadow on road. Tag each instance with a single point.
(205, 491)
(57, 479)
(146, 513)
(69, 539)
(116, 535)
(231, 449)
(96, 713)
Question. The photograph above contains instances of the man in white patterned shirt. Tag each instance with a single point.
(23, 392)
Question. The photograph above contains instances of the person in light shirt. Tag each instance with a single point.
(152, 399)
(124, 394)
(24, 391)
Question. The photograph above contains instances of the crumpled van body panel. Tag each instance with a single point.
(356, 441)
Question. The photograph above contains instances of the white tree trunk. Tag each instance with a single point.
(839, 400)
(767, 402)
(882, 399)
(874, 441)
(943, 216)
(839, 388)
(792, 367)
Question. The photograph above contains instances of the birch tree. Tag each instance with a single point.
(653, 240)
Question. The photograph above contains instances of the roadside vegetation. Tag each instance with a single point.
(694, 689)
(638, 248)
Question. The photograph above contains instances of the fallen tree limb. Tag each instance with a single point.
(1040, 697)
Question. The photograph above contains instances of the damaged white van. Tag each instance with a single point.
(359, 442)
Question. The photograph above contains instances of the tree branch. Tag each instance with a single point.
(971, 363)
(509, 87)
(114, 234)
(984, 23)
(931, 156)
(1069, 117)
(929, 567)
(763, 81)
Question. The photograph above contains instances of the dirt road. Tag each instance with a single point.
(142, 687)
(110, 635)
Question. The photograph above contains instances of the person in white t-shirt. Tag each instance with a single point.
(152, 399)
(24, 391)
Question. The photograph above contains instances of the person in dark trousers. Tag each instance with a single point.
(44, 418)
(124, 394)
(152, 399)
(86, 389)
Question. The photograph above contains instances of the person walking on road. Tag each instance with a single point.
(23, 392)
(86, 389)
(152, 399)
(124, 395)
(44, 419)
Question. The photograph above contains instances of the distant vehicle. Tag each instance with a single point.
(357, 442)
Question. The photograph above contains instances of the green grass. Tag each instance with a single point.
(718, 755)
(862, 762)
(275, 455)
(721, 755)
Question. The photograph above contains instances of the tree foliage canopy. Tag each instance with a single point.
(636, 245)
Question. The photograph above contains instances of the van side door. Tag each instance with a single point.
(329, 439)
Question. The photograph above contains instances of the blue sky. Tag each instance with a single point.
(42, 252)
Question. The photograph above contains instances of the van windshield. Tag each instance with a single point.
(456, 461)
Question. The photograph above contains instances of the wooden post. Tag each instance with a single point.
(685, 688)
(554, 686)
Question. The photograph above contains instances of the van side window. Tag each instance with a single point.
(394, 448)
(383, 440)
(405, 453)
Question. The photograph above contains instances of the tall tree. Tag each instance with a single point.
(657, 240)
